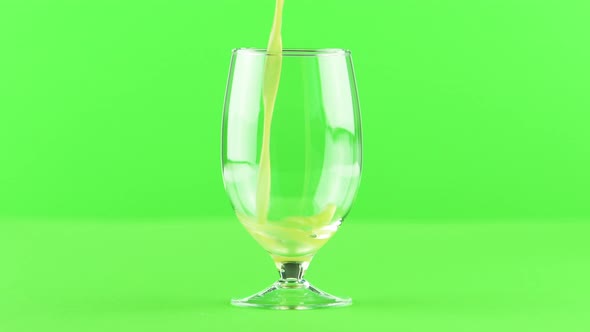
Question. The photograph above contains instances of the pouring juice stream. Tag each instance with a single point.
(294, 238)
(272, 75)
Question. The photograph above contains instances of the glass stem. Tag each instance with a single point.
(291, 274)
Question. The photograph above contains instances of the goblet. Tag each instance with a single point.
(291, 161)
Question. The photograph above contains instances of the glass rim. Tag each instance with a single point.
(295, 52)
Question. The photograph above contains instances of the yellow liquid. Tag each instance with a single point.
(295, 238)
(272, 75)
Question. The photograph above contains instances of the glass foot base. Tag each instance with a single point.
(292, 294)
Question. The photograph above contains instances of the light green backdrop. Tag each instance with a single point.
(475, 109)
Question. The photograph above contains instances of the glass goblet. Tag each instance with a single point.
(291, 173)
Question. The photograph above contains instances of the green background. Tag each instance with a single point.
(470, 108)
(474, 204)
